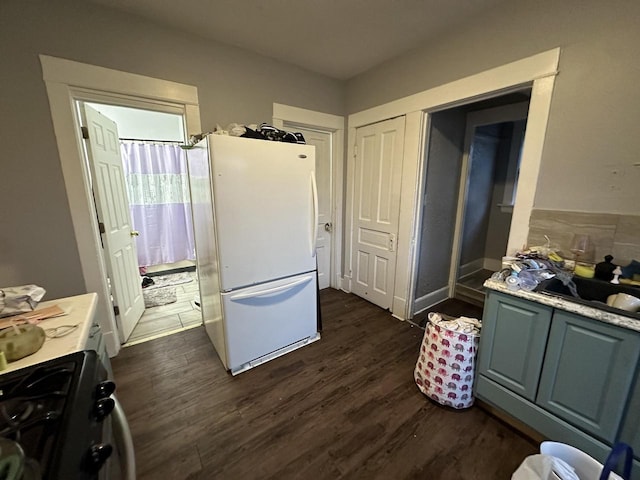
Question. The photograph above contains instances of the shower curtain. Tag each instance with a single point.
(158, 189)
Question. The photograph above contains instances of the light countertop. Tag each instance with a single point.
(80, 311)
(567, 305)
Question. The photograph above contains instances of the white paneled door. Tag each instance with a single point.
(118, 236)
(324, 175)
(378, 169)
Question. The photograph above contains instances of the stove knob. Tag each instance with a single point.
(103, 407)
(98, 454)
(105, 389)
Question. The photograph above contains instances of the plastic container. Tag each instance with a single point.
(585, 465)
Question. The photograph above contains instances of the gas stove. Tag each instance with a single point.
(54, 420)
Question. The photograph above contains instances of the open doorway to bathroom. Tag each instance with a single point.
(490, 166)
(159, 203)
(471, 172)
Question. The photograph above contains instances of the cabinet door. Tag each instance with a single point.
(631, 425)
(512, 344)
(588, 372)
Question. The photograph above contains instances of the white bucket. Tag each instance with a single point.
(586, 467)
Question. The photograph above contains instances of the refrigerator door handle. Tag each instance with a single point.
(314, 193)
(270, 291)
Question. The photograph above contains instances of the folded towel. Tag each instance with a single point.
(461, 324)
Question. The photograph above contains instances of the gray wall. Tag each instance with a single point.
(37, 242)
(446, 141)
(499, 220)
(592, 141)
(478, 204)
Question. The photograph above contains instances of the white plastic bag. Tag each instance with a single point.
(586, 466)
(22, 299)
(544, 467)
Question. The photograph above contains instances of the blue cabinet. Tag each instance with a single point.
(571, 378)
(586, 377)
(513, 343)
(631, 423)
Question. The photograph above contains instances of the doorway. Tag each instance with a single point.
(322, 140)
(157, 207)
(467, 200)
(326, 132)
(67, 81)
(489, 178)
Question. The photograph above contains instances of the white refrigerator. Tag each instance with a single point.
(256, 255)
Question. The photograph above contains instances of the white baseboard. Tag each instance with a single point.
(399, 308)
(112, 343)
(345, 284)
(471, 267)
(430, 299)
(492, 264)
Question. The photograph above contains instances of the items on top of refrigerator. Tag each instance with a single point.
(263, 131)
(260, 132)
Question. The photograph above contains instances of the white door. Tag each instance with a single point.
(378, 169)
(324, 176)
(112, 204)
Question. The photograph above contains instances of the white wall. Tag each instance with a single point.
(37, 241)
(590, 158)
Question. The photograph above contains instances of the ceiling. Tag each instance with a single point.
(337, 38)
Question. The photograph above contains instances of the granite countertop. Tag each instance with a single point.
(567, 305)
(81, 311)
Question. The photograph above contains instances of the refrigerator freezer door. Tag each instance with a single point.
(265, 209)
(266, 319)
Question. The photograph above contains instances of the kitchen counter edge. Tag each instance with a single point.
(81, 312)
(566, 305)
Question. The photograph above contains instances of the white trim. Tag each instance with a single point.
(60, 70)
(67, 81)
(471, 267)
(307, 117)
(504, 113)
(288, 116)
(430, 299)
(538, 117)
(496, 79)
(539, 70)
(412, 165)
(345, 284)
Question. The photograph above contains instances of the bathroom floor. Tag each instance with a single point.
(170, 318)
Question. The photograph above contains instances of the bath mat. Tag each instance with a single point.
(167, 280)
(154, 297)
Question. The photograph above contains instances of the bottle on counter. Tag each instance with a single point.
(604, 270)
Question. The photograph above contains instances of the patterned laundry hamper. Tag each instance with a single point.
(445, 367)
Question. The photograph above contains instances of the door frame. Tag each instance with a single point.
(286, 116)
(506, 113)
(537, 71)
(67, 81)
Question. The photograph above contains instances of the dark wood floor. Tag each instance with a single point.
(343, 407)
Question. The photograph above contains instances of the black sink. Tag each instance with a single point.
(592, 292)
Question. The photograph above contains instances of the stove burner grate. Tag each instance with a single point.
(31, 407)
